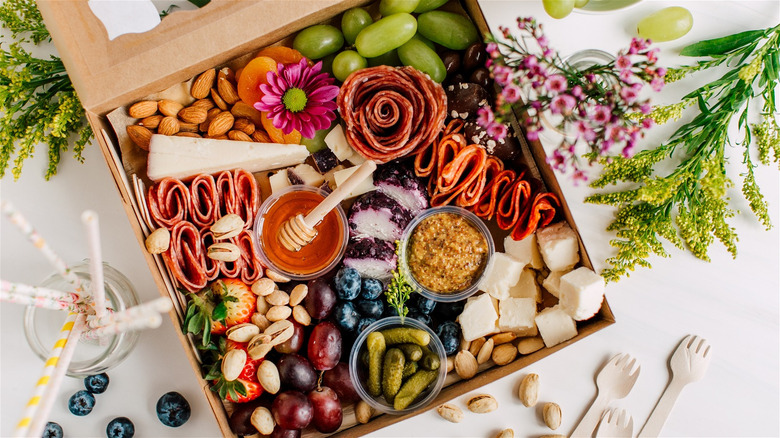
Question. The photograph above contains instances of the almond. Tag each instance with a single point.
(268, 375)
(484, 352)
(169, 108)
(218, 101)
(206, 104)
(301, 315)
(504, 354)
(503, 338)
(203, 83)
(151, 122)
(142, 109)
(278, 313)
(168, 126)
(363, 412)
(551, 413)
(193, 114)
(278, 298)
(204, 127)
(218, 137)
(450, 412)
(273, 275)
(188, 127)
(482, 404)
(241, 109)
(476, 345)
(260, 320)
(450, 364)
(245, 125)
(221, 124)
(261, 136)
(140, 136)
(187, 134)
(226, 89)
(263, 287)
(298, 293)
(229, 74)
(466, 365)
(239, 136)
(529, 390)
(529, 345)
(262, 305)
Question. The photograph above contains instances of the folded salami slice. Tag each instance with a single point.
(169, 202)
(540, 214)
(205, 200)
(185, 257)
(513, 203)
(391, 112)
(462, 178)
(226, 192)
(247, 196)
(251, 268)
(210, 267)
(496, 186)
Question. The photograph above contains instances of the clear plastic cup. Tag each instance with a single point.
(359, 373)
(403, 257)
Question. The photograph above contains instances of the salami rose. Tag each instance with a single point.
(169, 202)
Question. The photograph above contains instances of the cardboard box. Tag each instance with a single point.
(112, 74)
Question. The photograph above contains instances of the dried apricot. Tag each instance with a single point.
(277, 135)
(281, 54)
(252, 76)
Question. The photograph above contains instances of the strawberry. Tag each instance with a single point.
(213, 310)
(246, 387)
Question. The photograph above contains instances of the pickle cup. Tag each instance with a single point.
(359, 373)
(403, 256)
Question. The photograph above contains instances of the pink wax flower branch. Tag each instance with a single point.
(599, 105)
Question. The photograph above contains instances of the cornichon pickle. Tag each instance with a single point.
(376, 353)
(413, 352)
(413, 387)
(409, 369)
(430, 360)
(364, 358)
(406, 335)
(392, 373)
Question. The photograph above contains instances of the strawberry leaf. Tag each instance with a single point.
(219, 313)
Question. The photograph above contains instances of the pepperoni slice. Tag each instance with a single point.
(247, 196)
(210, 266)
(459, 175)
(185, 257)
(512, 203)
(252, 268)
(169, 202)
(485, 208)
(205, 200)
(540, 214)
(226, 192)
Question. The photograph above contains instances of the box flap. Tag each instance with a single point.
(107, 74)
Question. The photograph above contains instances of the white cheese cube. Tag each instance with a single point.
(366, 186)
(306, 175)
(526, 287)
(279, 181)
(559, 247)
(516, 314)
(552, 283)
(582, 292)
(526, 251)
(478, 318)
(555, 326)
(337, 143)
(530, 331)
(503, 273)
(356, 159)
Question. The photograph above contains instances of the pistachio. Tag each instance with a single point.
(504, 354)
(279, 278)
(260, 320)
(242, 332)
(262, 305)
(482, 404)
(263, 287)
(484, 352)
(223, 251)
(262, 420)
(268, 376)
(506, 433)
(363, 412)
(529, 390)
(227, 226)
(450, 412)
(298, 293)
(232, 364)
(159, 241)
(466, 364)
(278, 313)
(529, 345)
(257, 348)
(279, 332)
(301, 316)
(278, 298)
(552, 415)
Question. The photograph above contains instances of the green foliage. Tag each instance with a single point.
(38, 104)
(688, 206)
(399, 290)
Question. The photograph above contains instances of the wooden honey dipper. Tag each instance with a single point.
(299, 231)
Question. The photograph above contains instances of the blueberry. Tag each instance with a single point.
(423, 304)
(365, 322)
(120, 427)
(81, 403)
(53, 430)
(389, 311)
(449, 334)
(372, 308)
(371, 289)
(346, 316)
(96, 384)
(450, 310)
(347, 283)
(173, 409)
(416, 314)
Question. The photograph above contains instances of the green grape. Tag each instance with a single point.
(390, 7)
(427, 42)
(429, 5)
(451, 30)
(346, 62)
(327, 63)
(318, 41)
(580, 3)
(417, 54)
(385, 35)
(318, 142)
(665, 25)
(390, 58)
(558, 8)
(353, 21)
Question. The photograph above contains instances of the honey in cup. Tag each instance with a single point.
(314, 259)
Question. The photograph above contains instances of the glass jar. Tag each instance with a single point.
(42, 326)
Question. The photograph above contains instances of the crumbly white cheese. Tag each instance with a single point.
(526, 287)
(503, 273)
(526, 251)
(279, 181)
(555, 326)
(479, 317)
(552, 283)
(582, 292)
(516, 314)
(558, 246)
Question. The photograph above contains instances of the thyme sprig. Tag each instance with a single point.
(688, 206)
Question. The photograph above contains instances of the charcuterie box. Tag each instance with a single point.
(112, 74)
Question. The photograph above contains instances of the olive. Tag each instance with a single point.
(451, 61)
(475, 56)
(481, 77)
(464, 99)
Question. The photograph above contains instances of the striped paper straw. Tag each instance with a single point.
(152, 320)
(44, 302)
(159, 305)
(38, 408)
(90, 220)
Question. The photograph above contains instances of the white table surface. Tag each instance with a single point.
(733, 303)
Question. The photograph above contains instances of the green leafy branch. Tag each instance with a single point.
(688, 207)
(399, 290)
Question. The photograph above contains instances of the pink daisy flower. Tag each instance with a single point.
(299, 97)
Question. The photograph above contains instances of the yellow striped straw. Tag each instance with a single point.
(37, 411)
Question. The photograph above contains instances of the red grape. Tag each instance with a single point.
(338, 379)
(295, 372)
(321, 298)
(327, 409)
(325, 346)
(295, 343)
(285, 433)
(292, 410)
